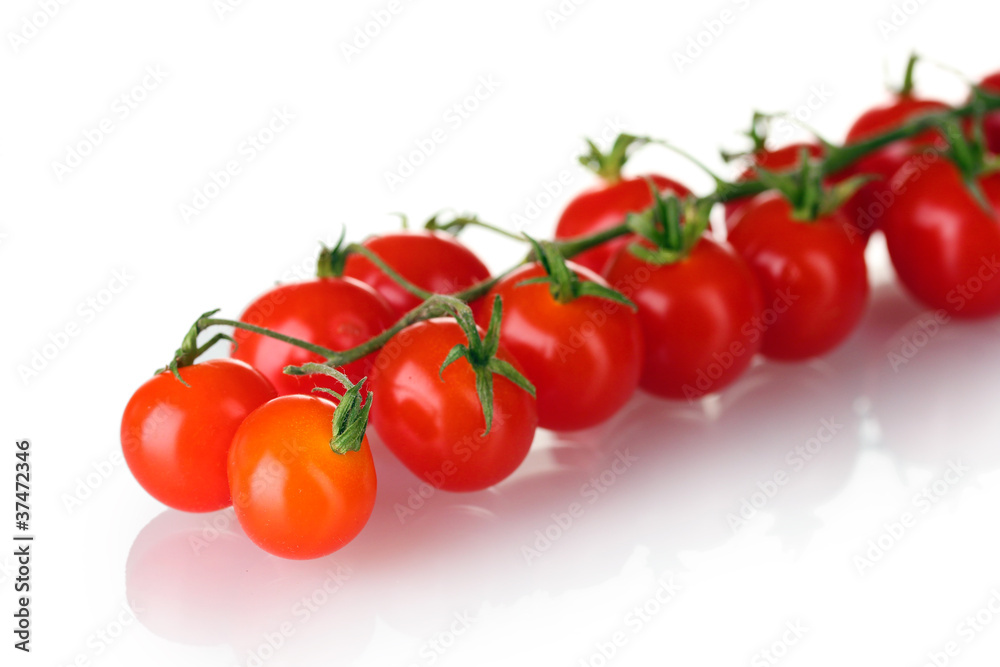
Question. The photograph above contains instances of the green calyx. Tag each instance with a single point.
(331, 261)
(481, 355)
(804, 189)
(189, 351)
(970, 156)
(759, 127)
(673, 226)
(350, 419)
(609, 165)
(564, 285)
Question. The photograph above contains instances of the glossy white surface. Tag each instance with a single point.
(627, 539)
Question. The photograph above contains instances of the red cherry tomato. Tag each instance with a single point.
(991, 122)
(606, 206)
(294, 496)
(944, 246)
(176, 439)
(434, 425)
(867, 206)
(777, 160)
(336, 313)
(584, 357)
(434, 261)
(813, 277)
(696, 318)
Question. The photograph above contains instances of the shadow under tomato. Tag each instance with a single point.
(197, 579)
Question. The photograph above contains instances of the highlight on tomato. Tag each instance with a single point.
(867, 206)
(453, 404)
(697, 302)
(301, 472)
(607, 204)
(333, 312)
(578, 341)
(432, 260)
(177, 428)
(943, 232)
(811, 271)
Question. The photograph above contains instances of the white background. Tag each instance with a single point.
(455, 573)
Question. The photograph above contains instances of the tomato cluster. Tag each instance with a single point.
(455, 369)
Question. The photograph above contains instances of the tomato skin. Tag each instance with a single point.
(584, 357)
(991, 122)
(777, 160)
(866, 207)
(337, 313)
(693, 315)
(434, 261)
(813, 277)
(176, 439)
(943, 245)
(435, 427)
(606, 206)
(293, 495)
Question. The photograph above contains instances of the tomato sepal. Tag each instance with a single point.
(564, 285)
(481, 353)
(350, 419)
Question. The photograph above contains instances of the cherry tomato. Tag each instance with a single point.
(434, 261)
(294, 496)
(813, 277)
(943, 244)
(434, 424)
(336, 313)
(777, 160)
(991, 122)
(584, 357)
(606, 206)
(695, 315)
(867, 206)
(176, 439)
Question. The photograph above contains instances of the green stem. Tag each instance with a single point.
(456, 225)
(907, 88)
(844, 156)
(389, 271)
(437, 305)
